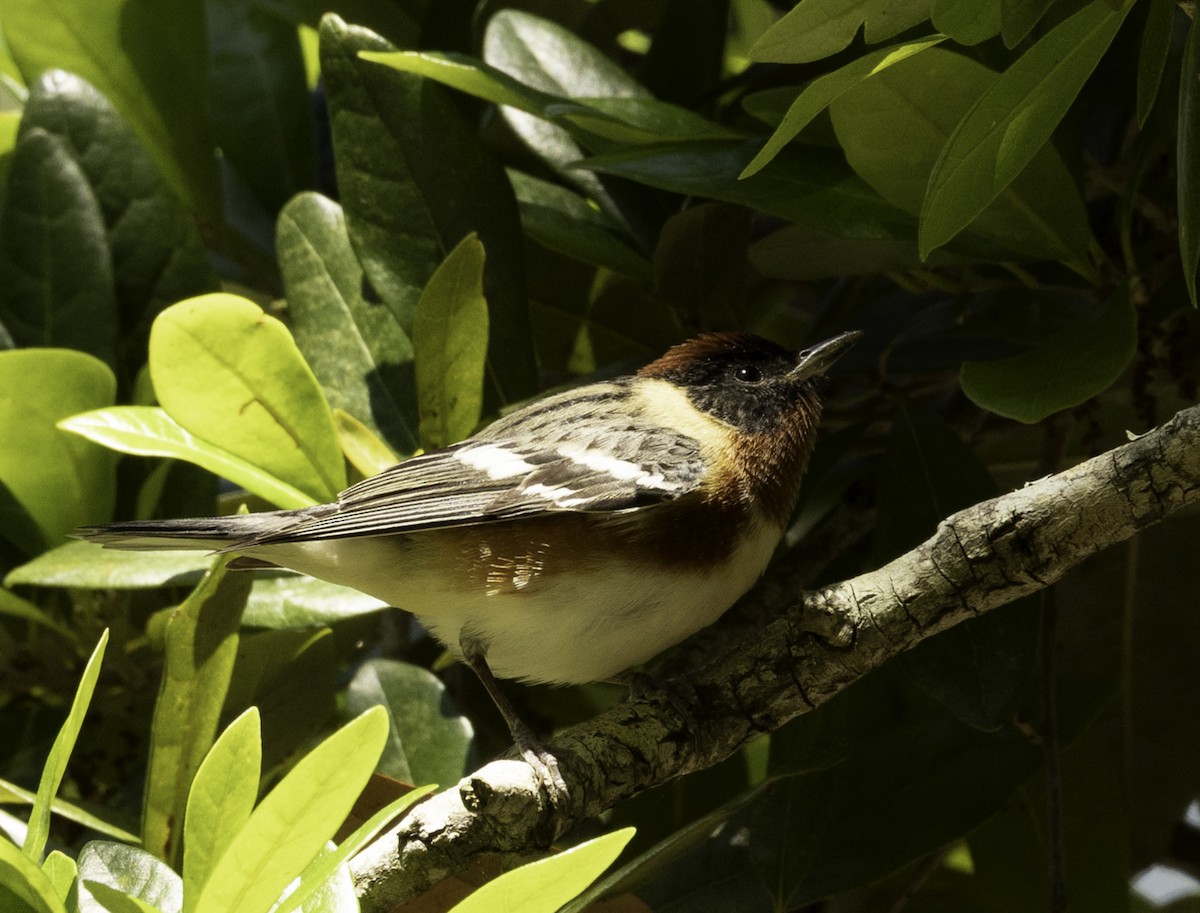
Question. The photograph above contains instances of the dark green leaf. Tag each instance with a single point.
(130, 871)
(429, 740)
(415, 181)
(563, 221)
(56, 281)
(985, 152)
(893, 127)
(1018, 17)
(450, 336)
(819, 28)
(1152, 57)
(1065, 370)
(157, 254)
(201, 643)
(148, 58)
(1188, 154)
(967, 21)
(355, 347)
(800, 253)
(259, 99)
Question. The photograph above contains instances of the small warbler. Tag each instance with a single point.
(575, 537)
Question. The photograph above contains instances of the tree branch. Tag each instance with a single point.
(977, 560)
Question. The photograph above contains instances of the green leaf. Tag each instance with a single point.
(561, 220)
(150, 431)
(1152, 56)
(56, 764)
(1065, 370)
(450, 336)
(967, 21)
(149, 59)
(296, 601)
(14, 606)
(819, 28)
(62, 872)
(201, 644)
(894, 126)
(357, 349)
(985, 152)
(1018, 17)
(326, 864)
(429, 741)
(112, 900)
(545, 56)
(220, 800)
(415, 180)
(21, 878)
(823, 90)
(1187, 153)
(545, 885)
(291, 825)
(12, 794)
(157, 255)
(48, 475)
(258, 97)
(232, 376)
(362, 447)
(56, 282)
(131, 872)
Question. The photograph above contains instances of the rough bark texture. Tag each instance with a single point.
(979, 559)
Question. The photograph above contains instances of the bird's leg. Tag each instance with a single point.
(536, 755)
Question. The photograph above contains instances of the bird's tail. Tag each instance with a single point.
(194, 533)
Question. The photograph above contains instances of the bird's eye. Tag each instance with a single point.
(747, 374)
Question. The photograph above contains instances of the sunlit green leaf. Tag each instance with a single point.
(56, 764)
(23, 879)
(232, 376)
(450, 336)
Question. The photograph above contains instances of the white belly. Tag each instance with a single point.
(574, 628)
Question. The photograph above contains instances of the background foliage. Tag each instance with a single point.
(240, 240)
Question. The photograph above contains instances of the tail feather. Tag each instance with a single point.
(192, 533)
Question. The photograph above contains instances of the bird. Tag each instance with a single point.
(574, 538)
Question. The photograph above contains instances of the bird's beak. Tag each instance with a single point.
(816, 360)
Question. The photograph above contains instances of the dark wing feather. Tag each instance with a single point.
(572, 452)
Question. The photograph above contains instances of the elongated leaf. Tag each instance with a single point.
(450, 335)
(13, 794)
(893, 127)
(818, 28)
(819, 93)
(365, 451)
(259, 99)
(150, 431)
(14, 606)
(1065, 370)
(545, 885)
(157, 255)
(357, 349)
(56, 282)
(415, 180)
(985, 152)
(232, 376)
(1018, 17)
(1188, 155)
(1152, 56)
(220, 800)
(324, 867)
(291, 825)
(148, 58)
(429, 741)
(56, 764)
(62, 872)
(128, 873)
(23, 879)
(201, 643)
(545, 56)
